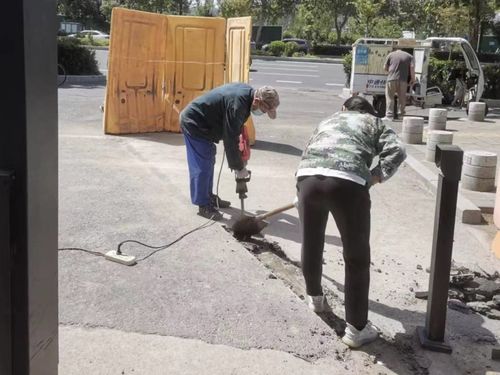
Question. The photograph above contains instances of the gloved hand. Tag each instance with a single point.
(242, 174)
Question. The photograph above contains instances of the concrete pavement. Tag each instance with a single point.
(208, 305)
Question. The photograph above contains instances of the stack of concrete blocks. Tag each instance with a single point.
(435, 137)
(413, 129)
(479, 170)
(437, 118)
(495, 246)
(477, 111)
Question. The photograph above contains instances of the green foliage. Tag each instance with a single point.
(290, 49)
(492, 81)
(94, 42)
(386, 27)
(288, 34)
(330, 50)
(180, 7)
(75, 58)
(235, 8)
(367, 13)
(347, 64)
(438, 73)
(84, 11)
(276, 48)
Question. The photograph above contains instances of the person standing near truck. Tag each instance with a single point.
(400, 66)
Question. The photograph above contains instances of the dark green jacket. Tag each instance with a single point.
(220, 114)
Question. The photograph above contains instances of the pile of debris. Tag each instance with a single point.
(474, 291)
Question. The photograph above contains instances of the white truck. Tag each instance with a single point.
(368, 76)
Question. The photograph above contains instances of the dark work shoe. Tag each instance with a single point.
(219, 203)
(209, 212)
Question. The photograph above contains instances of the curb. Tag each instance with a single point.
(299, 59)
(492, 103)
(81, 80)
(470, 213)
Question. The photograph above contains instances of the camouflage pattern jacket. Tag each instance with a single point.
(345, 144)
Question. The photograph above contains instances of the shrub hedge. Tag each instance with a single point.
(276, 48)
(75, 58)
(330, 50)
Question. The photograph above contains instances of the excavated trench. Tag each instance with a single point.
(272, 256)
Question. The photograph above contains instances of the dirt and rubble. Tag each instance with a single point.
(403, 346)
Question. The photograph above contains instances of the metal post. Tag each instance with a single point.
(449, 160)
(6, 178)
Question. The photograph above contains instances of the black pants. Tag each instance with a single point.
(349, 204)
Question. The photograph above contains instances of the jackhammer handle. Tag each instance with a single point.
(275, 211)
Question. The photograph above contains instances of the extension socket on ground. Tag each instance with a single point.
(127, 260)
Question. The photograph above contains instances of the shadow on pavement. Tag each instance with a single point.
(172, 139)
(281, 225)
(277, 147)
(458, 325)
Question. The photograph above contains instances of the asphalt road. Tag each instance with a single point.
(281, 74)
(298, 75)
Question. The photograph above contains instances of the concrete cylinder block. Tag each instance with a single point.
(477, 111)
(496, 211)
(479, 170)
(435, 137)
(413, 125)
(480, 158)
(437, 118)
(412, 138)
(430, 155)
(478, 184)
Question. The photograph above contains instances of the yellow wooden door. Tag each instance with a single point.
(238, 36)
(136, 56)
(195, 49)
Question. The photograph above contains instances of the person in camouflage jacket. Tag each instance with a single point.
(334, 176)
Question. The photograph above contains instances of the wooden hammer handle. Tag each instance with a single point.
(275, 211)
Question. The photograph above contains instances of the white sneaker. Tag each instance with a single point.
(355, 338)
(386, 118)
(318, 304)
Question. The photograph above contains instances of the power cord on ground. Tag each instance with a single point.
(118, 256)
(218, 177)
(156, 248)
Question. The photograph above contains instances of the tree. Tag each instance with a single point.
(235, 8)
(332, 14)
(85, 11)
(204, 8)
(367, 13)
(179, 7)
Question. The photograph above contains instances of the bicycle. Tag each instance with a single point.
(61, 75)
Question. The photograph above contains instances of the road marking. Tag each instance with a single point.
(293, 65)
(334, 84)
(289, 74)
(288, 81)
(298, 68)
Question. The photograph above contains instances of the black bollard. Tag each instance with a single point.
(449, 160)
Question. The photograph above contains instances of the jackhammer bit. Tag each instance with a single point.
(241, 190)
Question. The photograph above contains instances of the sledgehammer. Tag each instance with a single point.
(250, 225)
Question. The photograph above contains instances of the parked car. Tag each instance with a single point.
(303, 45)
(87, 33)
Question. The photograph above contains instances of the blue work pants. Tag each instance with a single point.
(201, 162)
